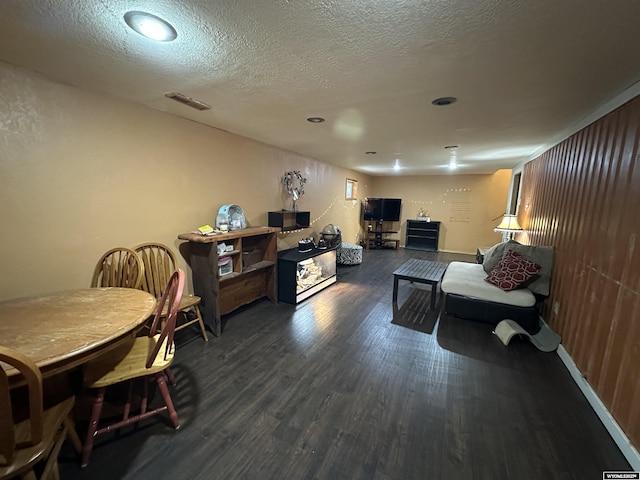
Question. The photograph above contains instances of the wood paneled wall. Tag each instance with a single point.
(583, 197)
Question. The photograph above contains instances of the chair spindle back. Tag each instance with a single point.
(171, 297)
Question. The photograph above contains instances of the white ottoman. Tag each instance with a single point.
(349, 254)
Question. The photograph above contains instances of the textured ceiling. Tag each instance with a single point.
(523, 71)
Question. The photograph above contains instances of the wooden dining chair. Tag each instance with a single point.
(159, 263)
(37, 438)
(149, 359)
(119, 267)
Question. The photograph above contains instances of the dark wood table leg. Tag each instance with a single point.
(434, 291)
(395, 289)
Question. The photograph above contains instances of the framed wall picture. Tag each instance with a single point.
(351, 189)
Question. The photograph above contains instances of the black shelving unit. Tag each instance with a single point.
(422, 235)
(287, 220)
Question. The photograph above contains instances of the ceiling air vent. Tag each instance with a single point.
(190, 102)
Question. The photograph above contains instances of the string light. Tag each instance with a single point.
(315, 220)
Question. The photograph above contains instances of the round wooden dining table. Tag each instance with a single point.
(62, 330)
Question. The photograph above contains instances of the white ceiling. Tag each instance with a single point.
(523, 70)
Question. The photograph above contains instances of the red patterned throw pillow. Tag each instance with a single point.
(512, 271)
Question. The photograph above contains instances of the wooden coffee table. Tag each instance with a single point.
(420, 271)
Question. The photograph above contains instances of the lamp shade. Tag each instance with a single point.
(509, 223)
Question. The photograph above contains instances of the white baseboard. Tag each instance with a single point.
(625, 446)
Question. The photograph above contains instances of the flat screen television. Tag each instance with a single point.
(382, 209)
(391, 209)
(373, 209)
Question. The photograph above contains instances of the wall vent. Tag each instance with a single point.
(190, 102)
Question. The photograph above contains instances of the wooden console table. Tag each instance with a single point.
(253, 253)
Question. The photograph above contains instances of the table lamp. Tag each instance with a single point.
(509, 225)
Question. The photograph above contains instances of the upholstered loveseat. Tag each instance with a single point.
(468, 294)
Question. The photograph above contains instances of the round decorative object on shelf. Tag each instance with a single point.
(234, 216)
(331, 235)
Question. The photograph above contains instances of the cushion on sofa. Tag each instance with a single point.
(494, 255)
(467, 279)
(512, 271)
(543, 256)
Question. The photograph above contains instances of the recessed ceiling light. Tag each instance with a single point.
(442, 101)
(150, 26)
(315, 119)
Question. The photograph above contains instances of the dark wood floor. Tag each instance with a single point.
(331, 389)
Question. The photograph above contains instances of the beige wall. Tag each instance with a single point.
(465, 204)
(81, 173)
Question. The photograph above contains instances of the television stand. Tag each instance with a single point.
(376, 238)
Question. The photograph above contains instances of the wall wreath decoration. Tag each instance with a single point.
(294, 184)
